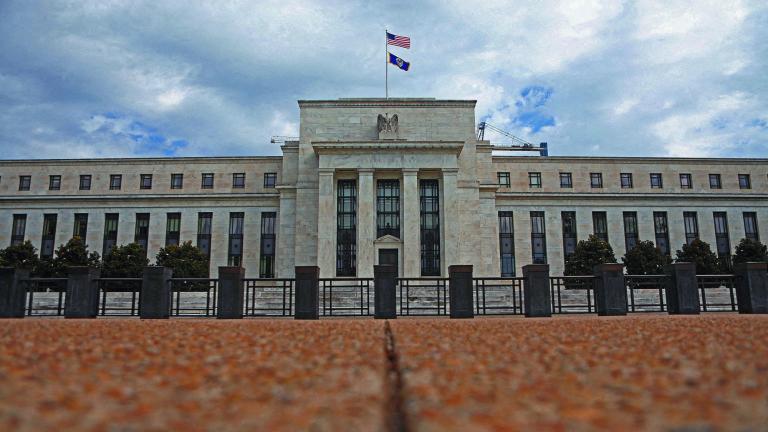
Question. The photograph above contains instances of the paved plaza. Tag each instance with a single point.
(642, 372)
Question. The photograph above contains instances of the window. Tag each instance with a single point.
(429, 205)
(115, 182)
(207, 182)
(388, 208)
(600, 225)
(744, 181)
(503, 179)
(750, 226)
(54, 182)
(685, 181)
(722, 238)
(204, 225)
(346, 228)
(538, 238)
(661, 229)
(110, 233)
(569, 232)
(267, 261)
(238, 180)
(656, 181)
(85, 182)
(534, 179)
(49, 236)
(235, 251)
(596, 180)
(177, 181)
(173, 229)
(691, 223)
(630, 230)
(18, 229)
(146, 181)
(81, 226)
(714, 181)
(141, 233)
(270, 180)
(626, 180)
(507, 244)
(566, 180)
(24, 182)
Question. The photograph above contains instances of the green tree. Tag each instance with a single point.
(588, 253)
(124, 261)
(22, 255)
(750, 250)
(645, 259)
(699, 253)
(186, 260)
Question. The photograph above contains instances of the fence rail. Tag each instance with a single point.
(498, 296)
(193, 297)
(717, 293)
(119, 296)
(268, 297)
(572, 294)
(422, 296)
(346, 296)
(646, 287)
(45, 296)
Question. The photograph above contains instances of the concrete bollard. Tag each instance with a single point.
(682, 289)
(307, 293)
(460, 291)
(384, 294)
(610, 289)
(537, 299)
(13, 292)
(155, 299)
(82, 300)
(231, 293)
(752, 287)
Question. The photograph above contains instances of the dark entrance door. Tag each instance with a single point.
(389, 256)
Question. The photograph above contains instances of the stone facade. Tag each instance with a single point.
(339, 140)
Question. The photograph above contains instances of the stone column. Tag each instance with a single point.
(231, 293)
(682, 289)
(82, 300)
(610, 289)
(450, 222)
(410, 226)
(366, 223)
(13, 292)
(155, 298)
(326, 225)
(306, 293)
(752, 287)
(537, 299)
(385, 295)
(460, 291)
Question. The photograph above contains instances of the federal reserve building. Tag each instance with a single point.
(407, 182)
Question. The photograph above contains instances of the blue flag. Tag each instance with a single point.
(397, 61)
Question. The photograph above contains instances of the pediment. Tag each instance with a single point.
(387, 239)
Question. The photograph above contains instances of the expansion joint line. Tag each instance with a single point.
(395, 409)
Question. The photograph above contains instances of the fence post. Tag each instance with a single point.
(682, 289)
(155, 298)
(230, 293)
(536, 291)
(82, 300)
(384, 295)
(752, 287)
(307, 292)
(610, 289)
(13, 292)
(460, 291)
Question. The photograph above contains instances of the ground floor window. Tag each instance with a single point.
(538, 238)
(429, 201)
(267, 260)
(507, 244)
(346, 228)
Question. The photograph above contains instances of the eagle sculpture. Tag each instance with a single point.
(387, 124)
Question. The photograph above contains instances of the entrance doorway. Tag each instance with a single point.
(389, 256)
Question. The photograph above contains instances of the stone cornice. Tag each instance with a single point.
(625, 160)
(138, 161)
(682, 197)
(137, 197)
(391, 102)
(322, 147)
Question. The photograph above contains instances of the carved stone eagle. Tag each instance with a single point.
(387, 124)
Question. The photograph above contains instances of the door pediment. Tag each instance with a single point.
(387, 239)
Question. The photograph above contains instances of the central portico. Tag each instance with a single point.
(392, 175)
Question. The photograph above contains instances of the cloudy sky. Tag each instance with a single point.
(187, 78)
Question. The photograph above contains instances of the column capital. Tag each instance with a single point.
(450, 171)
(326, 171)
(410, 171)
(366, 171)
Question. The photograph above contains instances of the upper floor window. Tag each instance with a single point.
(566, 180)
(85, 182)
(388, 208)
(534, 179)
(238, 180)
(115, 181)
(207, 182)
(24, 182)
(270, 180)
(146, 181)
(503, 179)
(177, 181)
(685, 181)
(596, 180)
(626, 180)
(656, 181)
(714, 181)
(54, 182)
(744, 181)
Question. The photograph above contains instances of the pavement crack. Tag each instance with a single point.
(396, 419)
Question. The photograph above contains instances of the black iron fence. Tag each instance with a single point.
(45, 296)
(193, 297)
(346, 296)
(119, 296)
(422, 296)
(717, 293)
(572, 294)
(498, 296)
(268, 297)
(646, 293)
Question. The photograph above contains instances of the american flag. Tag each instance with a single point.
(401, 41)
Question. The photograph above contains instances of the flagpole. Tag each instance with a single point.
(386, 66)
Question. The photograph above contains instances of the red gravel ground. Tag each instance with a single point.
(565, 373)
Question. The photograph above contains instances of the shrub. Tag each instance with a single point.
(73, 253)
(588, 253)
(645, 259)
(750, 250)
(699, 253)
(22, 255)
(125, 261)
(187, 261)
